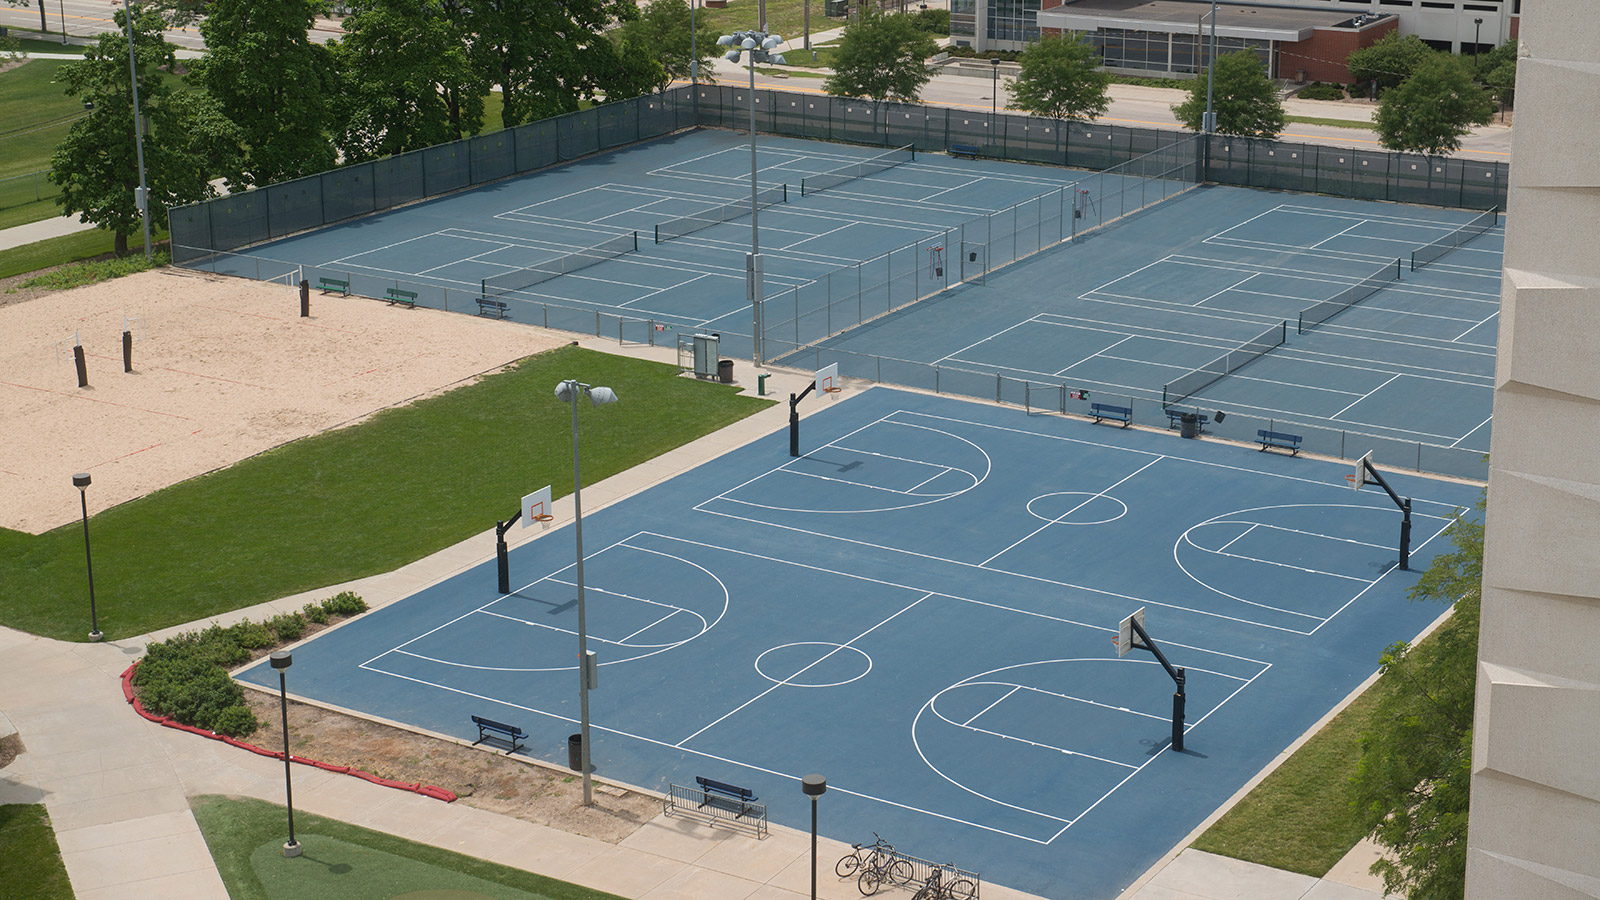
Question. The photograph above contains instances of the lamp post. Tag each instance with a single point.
(568, 392)
(814, 786)
(1209, 123)
(760, 44)
(141, 197)
(281, 660)
(63, 5)
(1477, 35)
(81, 482)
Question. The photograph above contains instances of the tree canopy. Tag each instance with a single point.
(1243, 97)
(881, 57)
(1433, 109)
(661, 33)
(1389, 61)
(188, 141)
(273, 82)
(1412, 786)
(1060, 79)
(545, 56)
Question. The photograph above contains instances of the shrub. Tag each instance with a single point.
(288, 626)
(1320, 91)
(316, 613)
(933, 21)
(236, 721)
(253, 635)
(345, 603)
(178, 681)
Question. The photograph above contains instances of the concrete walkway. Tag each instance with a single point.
(117, 786)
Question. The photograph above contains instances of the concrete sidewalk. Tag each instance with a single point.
(117, 786)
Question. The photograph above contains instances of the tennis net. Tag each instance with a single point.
(519, 279)
(1194, 382)
(1486, 220)
(880, 163)
(727, 212)
(1323, 310)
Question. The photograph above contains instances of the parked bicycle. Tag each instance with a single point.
(860, 855)
(883, 866)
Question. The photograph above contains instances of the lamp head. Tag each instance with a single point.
(80, 480)
(813, 785)
(600, 396)
(731, 56)
(995, 62)
(772, 40)
(725, 40)
(565, 391)
(778, 60)
(282, 659)
(748, 43)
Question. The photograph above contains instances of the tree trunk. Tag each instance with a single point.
(120, 246)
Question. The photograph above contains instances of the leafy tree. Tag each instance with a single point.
(1244, 99)
(1390, 60)
(632, 70)
(273, 82)
(661, 33)
(1060, 79)
(545, 56)
(1411, 788)
(1498, 70)
(1433, 109)
(405, 80)
(881, 57)
(188, 140)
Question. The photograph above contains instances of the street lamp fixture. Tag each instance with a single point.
(1477, 37)
(760, 45)
(81, 482)
(141, 195)
(1209, 123)
(814, 786)
(994, 89)
(568, 392)
(281, 660)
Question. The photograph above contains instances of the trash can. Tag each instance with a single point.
(1189, 425)
(725, 371)
(575, 752)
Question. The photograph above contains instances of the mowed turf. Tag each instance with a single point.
(348, 862)
(30, 860)
(353, 502)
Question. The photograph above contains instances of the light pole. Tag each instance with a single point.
(694, 50)
(1477, 35)
(814, 786)
(81, 482)
(63, 5)
(281, 660)
(760, 44)
(568, 392)
(141, 198)
(1209, 123)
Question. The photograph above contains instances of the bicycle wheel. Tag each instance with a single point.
(847, 865)
(926, 893)
(961, 889)
(868, 882)
(900, 872)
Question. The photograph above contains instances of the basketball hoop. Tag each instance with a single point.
(1354, 479)
(830, 389)
(543, 517)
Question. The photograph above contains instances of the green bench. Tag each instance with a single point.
(334, 284)
(406, 298)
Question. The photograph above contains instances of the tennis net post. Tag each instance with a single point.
(1432, 251)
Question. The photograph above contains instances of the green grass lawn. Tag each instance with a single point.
(353, 502)
(36, 114)
(786, 17)
(341, 860)
(68, 248)
(30, 860)
(1337, 123)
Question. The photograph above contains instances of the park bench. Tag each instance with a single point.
(1175, 418)
(739, 795)
(970, 151)
(334, 284)
(405, 298)
(509, 735)
(496, 308)
(1279, 440)
(1123, 414)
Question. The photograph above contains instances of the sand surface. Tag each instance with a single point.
(223, 369)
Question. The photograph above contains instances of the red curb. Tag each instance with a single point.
(426, 790)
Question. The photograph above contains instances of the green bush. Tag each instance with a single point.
(316, 613)
(253, 635)
(1320, 91)
(345, 603)
(933, 21)
(236, 721)
(288, 626)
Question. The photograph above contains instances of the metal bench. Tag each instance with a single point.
(508, 735)
(970, 151)
(329, 285)
(408, 299)
(1123, 414)
(1278, 440)
(496, 308)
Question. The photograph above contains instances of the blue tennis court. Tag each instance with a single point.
(1129, 309)
(920, 608)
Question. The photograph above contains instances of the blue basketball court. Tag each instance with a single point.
(920, 607)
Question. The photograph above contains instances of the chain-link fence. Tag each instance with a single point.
(20, 190)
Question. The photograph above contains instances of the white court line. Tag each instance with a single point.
(1101, 352)
(1337, 234)
(1092, 497)
(1474, 428)
(1486, 320)
(1365, 396)
(1230, 287)
(1014, 689)
(1253, 526)
(1380, 578)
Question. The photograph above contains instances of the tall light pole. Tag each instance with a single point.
(814, 786)
(141, 199)
(281, 660)
(1209, 123)
(760, 45)
(1477, 36)
(81, 482)
(994, 89)
(63, 5)
(568, 392)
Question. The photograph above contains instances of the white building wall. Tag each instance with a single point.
(1534, 830)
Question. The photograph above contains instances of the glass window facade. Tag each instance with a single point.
(1014, 20)
(1155, 51)
(964, 18)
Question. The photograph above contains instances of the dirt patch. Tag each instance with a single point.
(10, 748)
(484, 779)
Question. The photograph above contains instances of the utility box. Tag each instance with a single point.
(836, 9)
(706, 355)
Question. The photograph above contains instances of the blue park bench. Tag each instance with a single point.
(509, 736)
(1123, 414)
(741, 796)
(970, 151)
(1278, 440)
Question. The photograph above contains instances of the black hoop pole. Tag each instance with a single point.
(501, 554)
(794, 417)
(1179, 678)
